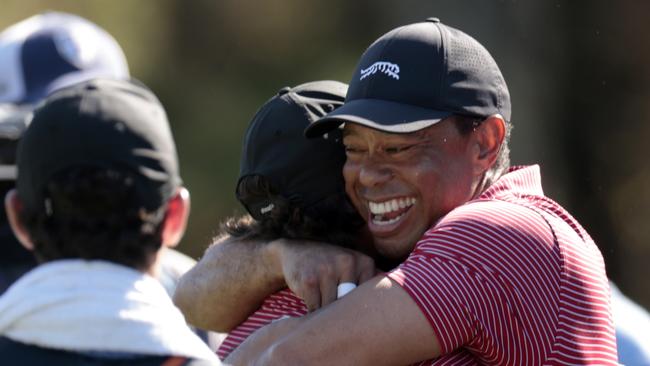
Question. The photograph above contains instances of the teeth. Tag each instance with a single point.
(378, 222)
(380, 208)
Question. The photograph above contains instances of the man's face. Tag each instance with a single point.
(401, 184)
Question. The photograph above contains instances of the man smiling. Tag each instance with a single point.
(403, 183)
(494, 272)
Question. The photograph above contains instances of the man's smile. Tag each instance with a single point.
(388, 212)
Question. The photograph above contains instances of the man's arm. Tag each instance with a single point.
(234, 277)
(227, 284)
(376, 324)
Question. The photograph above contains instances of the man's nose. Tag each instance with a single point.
(373, 173)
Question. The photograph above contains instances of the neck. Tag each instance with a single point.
(485, 181)
(153, 269)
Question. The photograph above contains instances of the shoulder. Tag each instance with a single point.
(173, 266)
(176, 262)
(492, 213)
(490, 224)
(493, 238)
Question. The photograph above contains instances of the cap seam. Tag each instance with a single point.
(293, 100)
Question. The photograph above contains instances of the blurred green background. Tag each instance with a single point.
(578, 74)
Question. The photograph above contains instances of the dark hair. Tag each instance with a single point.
(467, 124)
(332, 219)
(94, 213)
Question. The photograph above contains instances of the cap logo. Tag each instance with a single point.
(267, 209)
(387, 68)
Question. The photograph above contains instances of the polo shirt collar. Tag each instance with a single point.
(519, 181)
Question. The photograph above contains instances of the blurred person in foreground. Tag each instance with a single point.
(14, 259)
(292, 188)
(98, 197)
(426, 124)
(632, 323)
(39, 55)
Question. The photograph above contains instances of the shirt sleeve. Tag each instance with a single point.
(446, 292)
(277, 306)
(476, 281)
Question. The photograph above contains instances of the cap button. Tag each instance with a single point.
(284, 90)
(433, 20)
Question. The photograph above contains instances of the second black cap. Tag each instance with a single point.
(303, 171)
(102, 123)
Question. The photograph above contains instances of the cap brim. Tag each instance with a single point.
(381, 115)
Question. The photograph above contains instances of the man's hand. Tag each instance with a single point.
(234, 277)
(314, 270)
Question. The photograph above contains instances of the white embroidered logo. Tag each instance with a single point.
(387, 68)
(267, 209)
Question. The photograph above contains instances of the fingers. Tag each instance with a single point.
(314, 271)
(354, 270)
(328, 286)
(348, 268)
(320, 287)
(365, 269)
(310, 292)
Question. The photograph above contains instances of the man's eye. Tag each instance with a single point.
(397, 149)
(352, 150)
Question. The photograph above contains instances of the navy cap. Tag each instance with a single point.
(416, 75)
(302, 171)
(100, 123)
(53, 50)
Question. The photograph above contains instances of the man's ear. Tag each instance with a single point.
(489, 136)
(14, 208)
(175, 222)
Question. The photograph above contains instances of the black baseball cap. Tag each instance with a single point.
(103, 123)
(416, 75)
(302, 171)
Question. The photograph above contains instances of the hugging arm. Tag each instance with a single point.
(235, 276)
(376, 324)
(227, 284)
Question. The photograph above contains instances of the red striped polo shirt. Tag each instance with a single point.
(280, 304)
(512, 279)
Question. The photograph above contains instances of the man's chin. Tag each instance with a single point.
(394, 249)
